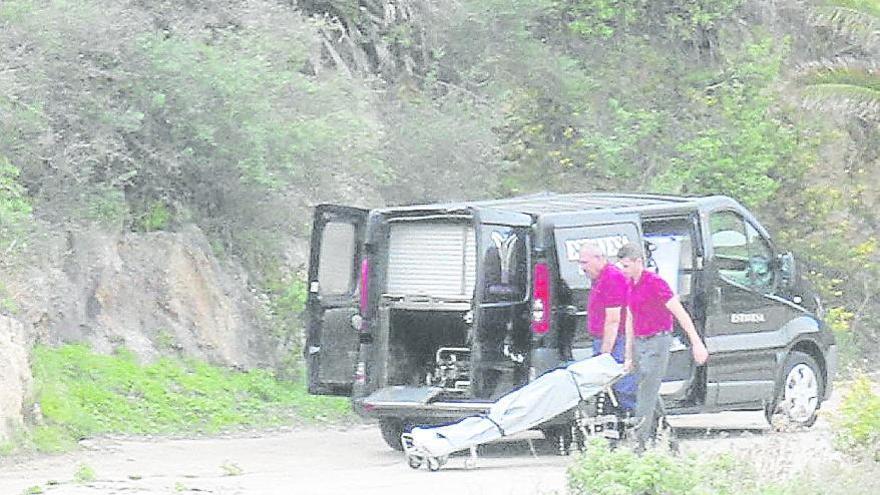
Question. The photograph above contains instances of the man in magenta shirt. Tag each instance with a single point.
(651, 307)
(605, 314)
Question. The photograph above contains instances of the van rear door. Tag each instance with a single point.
(331, 336)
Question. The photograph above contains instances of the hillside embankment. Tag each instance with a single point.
(154, 294)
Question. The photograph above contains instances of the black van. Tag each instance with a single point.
(425, 314)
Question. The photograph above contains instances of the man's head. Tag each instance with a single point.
(592, 259)
(632, 262)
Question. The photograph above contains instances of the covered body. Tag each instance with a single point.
(550, 395)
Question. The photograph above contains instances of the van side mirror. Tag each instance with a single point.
(787, 268)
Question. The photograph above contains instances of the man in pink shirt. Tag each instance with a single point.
(605, 314)
(651, 307)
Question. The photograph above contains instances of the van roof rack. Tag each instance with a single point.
(552, 203)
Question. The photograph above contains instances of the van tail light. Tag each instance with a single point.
(541, 299)
(364, 289)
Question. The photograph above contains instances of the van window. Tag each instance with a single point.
(671, 257)
(570, 239)
(741, 254)
(336, 269)
(504, 263)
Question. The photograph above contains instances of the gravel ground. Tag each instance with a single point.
(313, 460)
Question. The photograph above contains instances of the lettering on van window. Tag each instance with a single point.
(609, 244)
(505, 245)
(747, 318)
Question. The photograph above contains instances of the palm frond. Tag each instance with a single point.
(859, 20)
(844, 99)
(843, 85)
(840, 70)
(871, 7)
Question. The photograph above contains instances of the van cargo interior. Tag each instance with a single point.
(415, 338)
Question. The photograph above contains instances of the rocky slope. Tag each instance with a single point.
(154, 293)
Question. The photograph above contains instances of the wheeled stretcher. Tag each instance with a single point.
(553, 393)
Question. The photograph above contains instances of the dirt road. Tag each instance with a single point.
(307, 461)
(356, 461)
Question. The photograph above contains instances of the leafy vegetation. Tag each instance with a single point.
(287, 301)
(606, 18)
(15, 207)
(601, 471)
(858, 427)
(82, 393)
(84, 473)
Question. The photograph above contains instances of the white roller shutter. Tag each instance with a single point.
(434, 259)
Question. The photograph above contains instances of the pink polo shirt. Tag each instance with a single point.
(608, 291)
(647, 303)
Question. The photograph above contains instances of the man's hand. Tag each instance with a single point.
(701, 354)
(628, 365)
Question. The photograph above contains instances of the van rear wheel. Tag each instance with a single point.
(391, 430)
(800, 393)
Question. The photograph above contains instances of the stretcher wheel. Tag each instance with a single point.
(433, 464)
(413, 461)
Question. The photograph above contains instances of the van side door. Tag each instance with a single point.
(676, 255)
(742, 313)
(331, 339)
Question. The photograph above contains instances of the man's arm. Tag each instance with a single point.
(609, 332)
(701, 354)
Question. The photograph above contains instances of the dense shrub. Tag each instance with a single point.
(858, 424)
(602, 471)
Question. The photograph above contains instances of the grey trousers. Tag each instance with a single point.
(651, 360)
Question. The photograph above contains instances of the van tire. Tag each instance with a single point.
(391, 430)
(801, 378)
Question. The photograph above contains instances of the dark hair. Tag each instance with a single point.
(630, 251)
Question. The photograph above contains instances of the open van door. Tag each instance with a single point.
(332, 338)
(676, 254)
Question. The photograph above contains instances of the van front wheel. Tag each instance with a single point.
(800, 392)
(391, 430)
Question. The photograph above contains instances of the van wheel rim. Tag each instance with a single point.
(801, 393)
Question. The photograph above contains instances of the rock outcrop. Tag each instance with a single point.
(15, 375)
(154, 293)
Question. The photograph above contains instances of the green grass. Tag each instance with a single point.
(83, 393)
(6, 448)
(84, 474)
